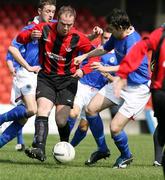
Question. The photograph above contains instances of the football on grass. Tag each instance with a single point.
(63, 152)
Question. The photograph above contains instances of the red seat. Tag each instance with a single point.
(12, 31)
(5, 99)
(6, 21)
(102, 22)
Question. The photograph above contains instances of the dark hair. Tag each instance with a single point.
(66, 10)
(118, 18)
(42, 3)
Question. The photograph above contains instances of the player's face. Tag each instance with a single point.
(117, 33)
(65, 23)
(47, 13)
(105, 37)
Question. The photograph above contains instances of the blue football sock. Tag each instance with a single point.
(71, 122)
(78, 137)
(96, 126)
(17, 113)
(10, 133)
(20, 139)
(121, 141)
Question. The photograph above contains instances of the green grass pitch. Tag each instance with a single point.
(16, 166)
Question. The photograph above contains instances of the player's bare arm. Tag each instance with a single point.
(11, 67)
(99, 51)
(118, 84)
(18, 57)
(108, 76)
(98, 66)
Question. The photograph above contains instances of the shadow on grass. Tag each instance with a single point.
(53, 164)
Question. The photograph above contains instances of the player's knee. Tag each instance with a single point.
(61, 122)
(41, 111)
(115, 129)
(32, 111)
(83, 125)
(90, 111)
(73, 114)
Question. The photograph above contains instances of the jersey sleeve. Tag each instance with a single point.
(24, 36)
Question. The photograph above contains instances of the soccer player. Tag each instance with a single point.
(136, 93)
(57, 80)
(156, 43)
(25, 81)
(88, 86)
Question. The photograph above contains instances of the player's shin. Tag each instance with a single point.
(64, 132)
(121, 141)
(96, 126)
(71, 122)
(78, 136)
(41, 132)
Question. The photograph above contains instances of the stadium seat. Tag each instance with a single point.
(6, 21)
(12, 31)
(101, 21)
(2, 14)
(5, 99)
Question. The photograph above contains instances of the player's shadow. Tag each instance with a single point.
(35, 162)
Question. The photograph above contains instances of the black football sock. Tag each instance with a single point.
(41, 132)
(64, 132)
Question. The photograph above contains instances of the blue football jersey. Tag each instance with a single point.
(16, 65)
(95, 78)
(122, 47)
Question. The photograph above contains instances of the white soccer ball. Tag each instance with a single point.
(64, 152)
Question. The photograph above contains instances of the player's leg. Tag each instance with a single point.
(24, 85)
(158, 149)
(11, 132)
(45, 101)
(97, 104)
(41, 129)
(79, 100)
(18, 112)
(62, 113)
(121, 140)
(64, 102)
(158, 99)
(135, 100)
(20, 141)
(74, 113)
(81, 130)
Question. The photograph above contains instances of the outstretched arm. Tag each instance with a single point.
(99, 51)
(98, 66)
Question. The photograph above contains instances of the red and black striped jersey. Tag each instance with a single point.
(57, 53)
